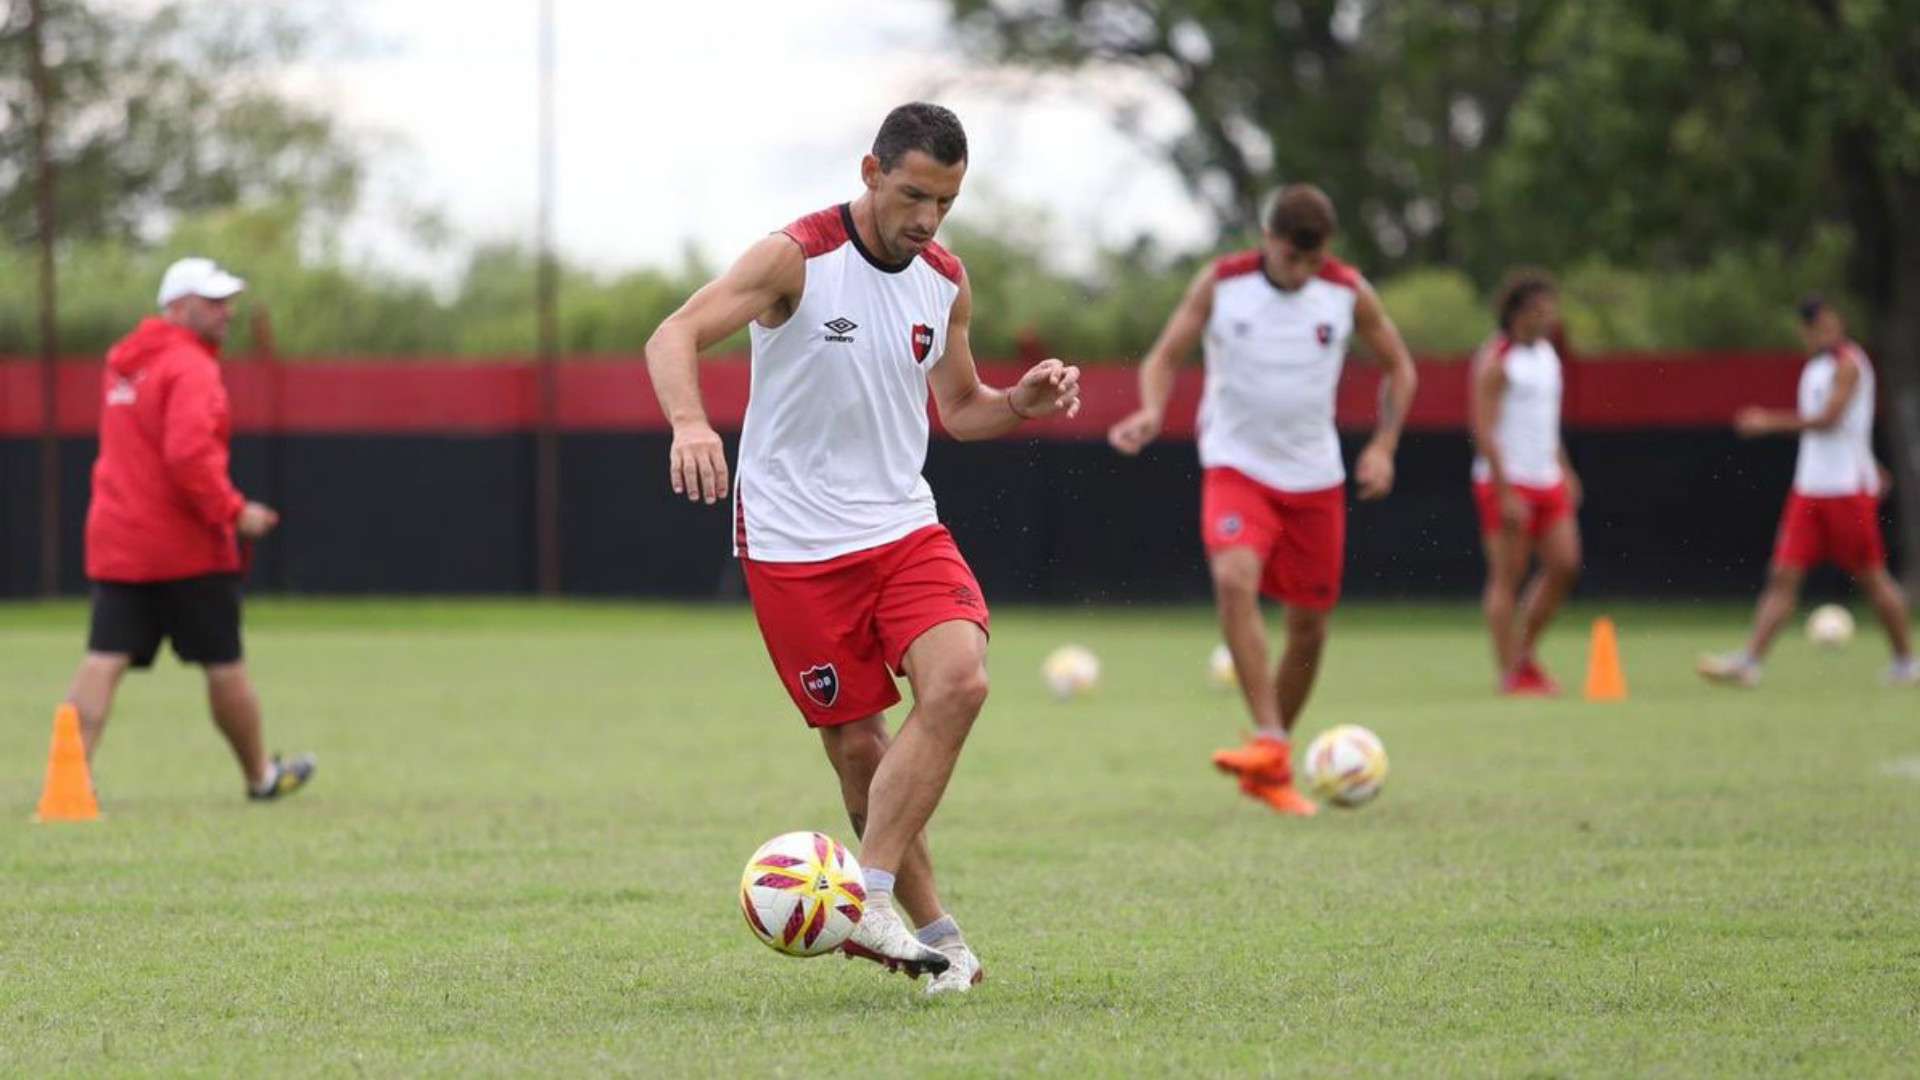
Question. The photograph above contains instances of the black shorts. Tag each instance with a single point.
(201, 616)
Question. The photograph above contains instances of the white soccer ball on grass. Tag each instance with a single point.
(802, 893)
(1346, 765)
(1830, 626)
(1070, 671)
(1220, 670)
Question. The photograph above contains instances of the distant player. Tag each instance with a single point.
(1275, 322)
(1833, 512)
(165, 524)
(854, 314)
(1523, 485)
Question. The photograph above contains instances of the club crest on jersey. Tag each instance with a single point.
(822, 684)
(1324, 332)
(841, 329)
(922, 342)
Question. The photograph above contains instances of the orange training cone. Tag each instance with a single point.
(68, 795)
(1605, 680)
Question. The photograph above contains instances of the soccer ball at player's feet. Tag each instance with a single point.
(1346, 765)
(802, 893)
(1220, 670)
(1830, 626)
(1070, 671)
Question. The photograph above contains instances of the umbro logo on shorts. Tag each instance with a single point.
(822, 684)
(841, 329)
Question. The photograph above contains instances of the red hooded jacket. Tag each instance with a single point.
(163, 507)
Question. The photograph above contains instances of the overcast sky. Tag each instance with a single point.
(713, 123)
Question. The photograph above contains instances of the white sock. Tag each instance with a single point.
(1272, 735)
(272, 777)
(879, 883)
(939, 931)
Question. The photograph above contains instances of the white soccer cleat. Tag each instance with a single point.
(1729, 669)
(881, 937)
(1904, 672)
(964, 973)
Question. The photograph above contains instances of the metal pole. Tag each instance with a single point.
(547, 439)
(49, 326)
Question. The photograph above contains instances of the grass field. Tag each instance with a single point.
(520, 855)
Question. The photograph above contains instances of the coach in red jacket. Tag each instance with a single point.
(165, 525)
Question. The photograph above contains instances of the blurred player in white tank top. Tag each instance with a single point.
(1275, 323)
(857, 316)
(1523, 486)
(1833, 512)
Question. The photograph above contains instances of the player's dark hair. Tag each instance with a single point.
(931, 129)
(1517, 291)
(1303, 215)
(1810, 307)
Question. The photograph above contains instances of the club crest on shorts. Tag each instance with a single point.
(1230, 526)
(922, 342)
(1324, 332)
(822, 684)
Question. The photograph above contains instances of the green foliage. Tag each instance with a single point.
(1438, 311)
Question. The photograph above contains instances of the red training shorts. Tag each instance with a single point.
(1839, 529)
(1301, 537)
(838, 630)
(1545, 507)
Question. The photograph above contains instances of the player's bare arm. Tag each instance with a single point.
(1754, 421)
(1489, 388)
(1373, 472)
(1176, 343)
(764, 284)
(970, 409)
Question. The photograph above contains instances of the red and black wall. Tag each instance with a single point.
(418, 477)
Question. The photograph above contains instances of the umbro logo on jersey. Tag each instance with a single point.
(922, 342)
(841, 329)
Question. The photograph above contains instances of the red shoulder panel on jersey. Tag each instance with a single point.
(819, 232)
(1497, 348)
(1244, 262)
(1332, 269)
(1849, 352)
(943, 261)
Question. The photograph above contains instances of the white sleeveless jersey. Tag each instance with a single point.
(1838, 461)
(1528, 430)
(836, 427)
(1273, 364)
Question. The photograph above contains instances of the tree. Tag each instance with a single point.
(1395, 108)
(166, 114)
(1675, 133)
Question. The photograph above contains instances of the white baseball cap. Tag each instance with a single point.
(198, 277)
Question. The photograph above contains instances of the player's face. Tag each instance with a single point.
(1824, 332)
(911, 201)
(206, 318)
(1290, 266)
(1540, 317)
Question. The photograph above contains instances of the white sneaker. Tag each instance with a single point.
(1904, 672)
(881, 937)
(964, 973)
(1729, 669)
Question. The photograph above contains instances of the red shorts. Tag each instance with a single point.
(1839, 529)
(1545, 507)
(1301, 537)
(838, 630)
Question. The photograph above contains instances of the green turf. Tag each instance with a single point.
(520, 855)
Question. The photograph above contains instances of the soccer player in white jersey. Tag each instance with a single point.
(855, 313)
(1523, 485)
(1833, 512)
(1275, 322)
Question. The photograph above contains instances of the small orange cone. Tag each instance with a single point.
(68, 795)
(1605, 680)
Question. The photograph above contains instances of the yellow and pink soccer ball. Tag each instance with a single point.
(1346, 765)
(802, 893)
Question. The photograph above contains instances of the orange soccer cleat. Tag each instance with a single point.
(1280, 798)
(1269, 761)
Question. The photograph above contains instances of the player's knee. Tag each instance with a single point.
(959, 691)
(1236, 580)
(1307, 630)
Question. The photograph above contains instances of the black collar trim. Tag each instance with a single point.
(853, 235)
